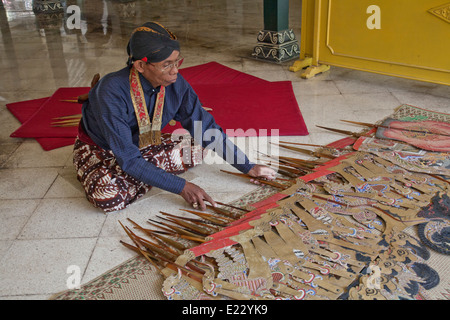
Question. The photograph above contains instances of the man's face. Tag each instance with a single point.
(155, 72)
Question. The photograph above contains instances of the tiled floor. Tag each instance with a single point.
(46, 223)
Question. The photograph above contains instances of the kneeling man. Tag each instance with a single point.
(120, 152)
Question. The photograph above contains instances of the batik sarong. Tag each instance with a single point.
(109, 188)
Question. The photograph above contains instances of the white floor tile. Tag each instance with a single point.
(39, 267)
(14, 214)
(29, 183)
(64, 218)
(423, 100)
(66, 185)
(31, 155)
(108, 253)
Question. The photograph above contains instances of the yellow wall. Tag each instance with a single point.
(405, 38)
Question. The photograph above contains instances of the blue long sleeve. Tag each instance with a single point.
(109, 119)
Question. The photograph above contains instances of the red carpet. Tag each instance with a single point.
(243, 105)
(216, 73)
(253, 110)
(39, 124)
(25, 110)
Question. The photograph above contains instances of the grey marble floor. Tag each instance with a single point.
(47, 225)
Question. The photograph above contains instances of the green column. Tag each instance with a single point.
(276, 15)
(276, 42)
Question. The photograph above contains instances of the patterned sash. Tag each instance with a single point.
(149, 132)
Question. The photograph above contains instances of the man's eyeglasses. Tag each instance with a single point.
(169, 67)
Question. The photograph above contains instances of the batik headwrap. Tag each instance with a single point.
(151, 42)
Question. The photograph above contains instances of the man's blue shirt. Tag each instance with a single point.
(110, 121)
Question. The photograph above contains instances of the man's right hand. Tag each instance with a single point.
(196, 196)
